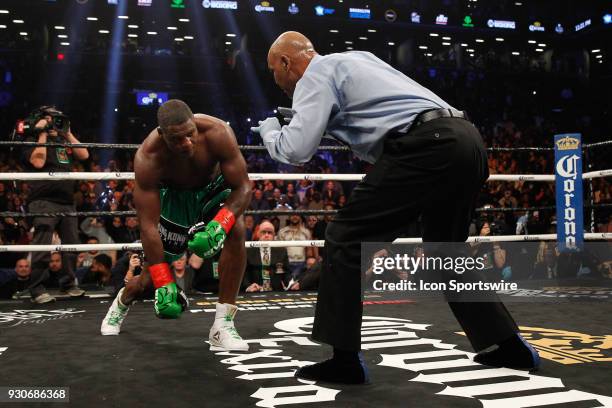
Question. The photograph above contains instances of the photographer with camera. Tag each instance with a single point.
(48, 125)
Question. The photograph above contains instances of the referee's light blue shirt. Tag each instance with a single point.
(354, 96)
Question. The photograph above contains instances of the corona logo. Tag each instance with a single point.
(568, 143)
(537, 26)
(568, 167)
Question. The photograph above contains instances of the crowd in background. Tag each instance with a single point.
(505, 109)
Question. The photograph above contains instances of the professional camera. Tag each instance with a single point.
(59, 121)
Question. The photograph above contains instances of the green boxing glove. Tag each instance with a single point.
(170, 300)
(208, 242)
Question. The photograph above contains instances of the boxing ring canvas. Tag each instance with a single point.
(415, 350)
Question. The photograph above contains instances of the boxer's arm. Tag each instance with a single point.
(222, 144)
(148, 208)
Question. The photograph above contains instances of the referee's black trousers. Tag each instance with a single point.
(434, 171)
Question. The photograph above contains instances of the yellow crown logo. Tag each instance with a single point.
(265, 3)
(537, 24)
(566, 347)
(568, 143)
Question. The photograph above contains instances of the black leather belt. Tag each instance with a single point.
(432, 114)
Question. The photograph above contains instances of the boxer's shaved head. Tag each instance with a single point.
(177, 126)
(173, 112)
(288, 59)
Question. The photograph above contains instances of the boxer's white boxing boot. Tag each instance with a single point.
(223, 334)
(111, 325)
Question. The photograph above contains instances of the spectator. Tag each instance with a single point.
(94, 227)
(57, 196)
(316, 203)
(546, 262)
(258, 203)
(330, 193)
(15, 281)
(266, 267)
(183, 274)
(132, 229)
(54, 275)
(393, 275)
(125, 269)
(292, 198)
(116, 230)
(249, 225)
(283, 205)
(296, 231)
(302, 189)
(309, 278)
(85, 259)
(3, 197)
(206, 272)
(99, 274)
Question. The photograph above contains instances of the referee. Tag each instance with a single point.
(52, 196)
(429, 161)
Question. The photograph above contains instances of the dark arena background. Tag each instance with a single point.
(533, 76)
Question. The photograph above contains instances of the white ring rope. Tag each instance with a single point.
(596, 174)
(272, 176)
(283, 244)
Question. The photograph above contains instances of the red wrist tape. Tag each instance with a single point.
(160, 274)
(226, 218)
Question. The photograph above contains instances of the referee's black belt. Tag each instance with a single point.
(432, 114)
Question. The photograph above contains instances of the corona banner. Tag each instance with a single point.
(568, 186)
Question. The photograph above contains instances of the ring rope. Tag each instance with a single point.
(132, 146)
(14, 214)
(283, 244)
(270, 176)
